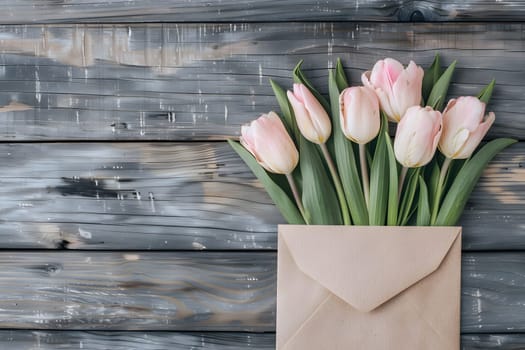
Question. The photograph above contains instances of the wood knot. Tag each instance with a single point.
(415, 14)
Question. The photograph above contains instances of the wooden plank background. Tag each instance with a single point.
(127, 222)
(79, 11)
(205, 291)
(117, 340)
(203, 81)
(183, 196)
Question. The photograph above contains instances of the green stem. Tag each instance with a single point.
(338, 186)
(402, 177)
(364, 174)
(297, 198)
(439, 190)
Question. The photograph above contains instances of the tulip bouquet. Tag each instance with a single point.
(332, 161)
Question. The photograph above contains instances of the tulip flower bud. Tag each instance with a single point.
(417, 136)
(397, 88)
(312, 119)
(464, 127)
(267, 139)
(359, 114)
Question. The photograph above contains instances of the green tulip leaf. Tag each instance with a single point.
(486, 93)
(345, 158)
(379, 174)
(393, 178)
(431, 77)
(408, 195)
(340, 76)
(300, 78)
(319, 197)
(455, 167)
(467, 178)
(438, 93)
(286, 111)
(423, 207)
(433, 181)
(286, 206)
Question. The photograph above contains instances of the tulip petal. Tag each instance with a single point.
(365, 79)
(359, 114)
(417, 136)
(463, 129)
(303, 120)
(385, 73)
(318, 116)
(468, 112)
(406, 91)
(268, 141)
(381, 95)
(457, 143)
(475, 138)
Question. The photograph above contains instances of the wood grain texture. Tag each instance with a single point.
(492, 293)
(136, 290)
(57, 340)
(493, 341)
(203, 81)
(187, 196)
(50, 11)
(197, 291)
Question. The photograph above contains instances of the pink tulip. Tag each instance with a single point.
(312, 119)
(417, 136)
(267, 139)
(397, 88)
(464, 127)
(359, 114)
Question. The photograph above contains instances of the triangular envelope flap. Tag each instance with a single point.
(367, 265)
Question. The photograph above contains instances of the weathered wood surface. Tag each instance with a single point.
(187, 196)
(492, 293)
(56, 340)
(49, 11)
(493, 341)
(138, 291)
(202, 81)
(197, 291)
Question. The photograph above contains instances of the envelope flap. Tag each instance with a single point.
(367, 265)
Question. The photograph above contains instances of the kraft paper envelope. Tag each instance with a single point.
(368, 288)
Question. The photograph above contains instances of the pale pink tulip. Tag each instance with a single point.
(396, 87)
(464, 126)
(359, 114)
(267, 139)
(312, 119)
(417, 136)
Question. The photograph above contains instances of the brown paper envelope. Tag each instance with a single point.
(368, 288)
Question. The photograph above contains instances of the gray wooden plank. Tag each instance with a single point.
(492, 293)
(203, 81)
(118, 340)
(493, 341)
(50, 11)
(104, 196)
(138, 291)
(131, 196)
(205, 291)
(56, 340)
